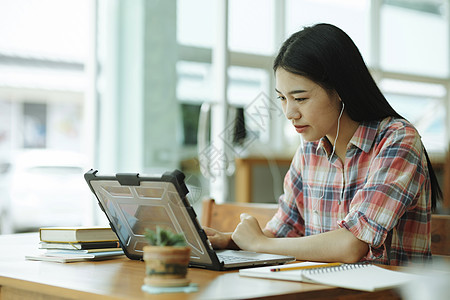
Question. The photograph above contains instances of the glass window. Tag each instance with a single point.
(248, 89)
(352, 16)
(195, 22)
(190, 114)
(423, 105)
(45, 27)
(413, 87)
(193, 88)
(194, 82)
(415, 39)
(6, 140)
(427, 114)
(34, 125)
(251, 26)
(64, 126)
(245, 84)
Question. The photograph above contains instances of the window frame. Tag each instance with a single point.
(201, 54)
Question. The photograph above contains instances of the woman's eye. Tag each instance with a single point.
(300, 99)
(281, 98)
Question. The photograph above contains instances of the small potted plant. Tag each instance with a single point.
(166, 258)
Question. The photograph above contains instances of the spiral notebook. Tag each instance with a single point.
(364, 277)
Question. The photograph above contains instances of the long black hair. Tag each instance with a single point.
(328, 56)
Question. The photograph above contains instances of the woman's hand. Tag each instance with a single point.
(219, 240)
(248, 234)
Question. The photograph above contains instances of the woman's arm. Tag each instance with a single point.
(338, 245)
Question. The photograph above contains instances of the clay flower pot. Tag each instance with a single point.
(166, 266)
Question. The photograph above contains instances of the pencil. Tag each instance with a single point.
(306, 267)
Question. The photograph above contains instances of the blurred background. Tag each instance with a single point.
(150, 86)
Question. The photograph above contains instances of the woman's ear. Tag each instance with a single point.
(335, 95)
(341, 102)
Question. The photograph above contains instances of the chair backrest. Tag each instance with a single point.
(225, 217)
(440, 234)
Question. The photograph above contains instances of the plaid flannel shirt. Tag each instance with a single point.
(382, 193)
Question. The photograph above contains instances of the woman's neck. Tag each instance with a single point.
(347, 129)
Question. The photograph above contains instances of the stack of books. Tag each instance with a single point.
(71, 244)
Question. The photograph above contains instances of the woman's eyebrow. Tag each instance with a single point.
(292, 92)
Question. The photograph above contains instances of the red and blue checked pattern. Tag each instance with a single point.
(381, 193)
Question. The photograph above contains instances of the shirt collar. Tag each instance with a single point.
(363, 137)
(326, 145)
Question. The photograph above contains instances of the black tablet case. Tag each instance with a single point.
(133, 203)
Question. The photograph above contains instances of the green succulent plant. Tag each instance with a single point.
(164, 237)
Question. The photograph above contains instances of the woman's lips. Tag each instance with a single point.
(300, 129)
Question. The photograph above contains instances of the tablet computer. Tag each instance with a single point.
(134, 202)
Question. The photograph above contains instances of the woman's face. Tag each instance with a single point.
(312, 110)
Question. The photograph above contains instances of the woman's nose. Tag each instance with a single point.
(292, 111)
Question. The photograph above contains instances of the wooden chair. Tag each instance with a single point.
(440, 234)
(225, 217)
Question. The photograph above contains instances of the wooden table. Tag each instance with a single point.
(122, 279)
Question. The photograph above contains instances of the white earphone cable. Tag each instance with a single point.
(316, 203)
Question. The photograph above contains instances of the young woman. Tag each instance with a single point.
(361, 186)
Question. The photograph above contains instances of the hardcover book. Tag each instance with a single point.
(79, 246)
(76, 234)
